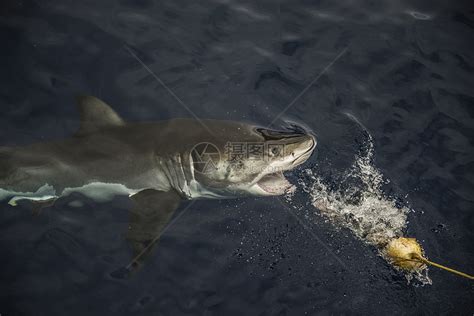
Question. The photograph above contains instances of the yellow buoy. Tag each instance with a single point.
(407, 254)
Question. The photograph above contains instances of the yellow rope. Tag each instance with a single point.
(424, 260)
(417, 258)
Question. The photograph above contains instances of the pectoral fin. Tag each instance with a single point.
(149, 215)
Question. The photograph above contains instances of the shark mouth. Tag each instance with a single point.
(274, 183)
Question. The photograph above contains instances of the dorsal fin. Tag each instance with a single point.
(96, 114)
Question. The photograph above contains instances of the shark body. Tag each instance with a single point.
(157, 164)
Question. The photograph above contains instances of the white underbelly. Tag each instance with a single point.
(46, 192)
(97, 191)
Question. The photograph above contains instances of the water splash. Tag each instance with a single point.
(355, 200)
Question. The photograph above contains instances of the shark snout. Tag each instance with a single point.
(298, 143)
(302, 148)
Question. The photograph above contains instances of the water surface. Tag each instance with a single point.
(406, 74)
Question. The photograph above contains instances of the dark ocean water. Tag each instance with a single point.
(406, 74)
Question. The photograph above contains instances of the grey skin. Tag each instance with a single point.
(157, 164)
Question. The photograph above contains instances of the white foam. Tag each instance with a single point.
(363, 207)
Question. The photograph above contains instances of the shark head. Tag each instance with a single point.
(248, 160)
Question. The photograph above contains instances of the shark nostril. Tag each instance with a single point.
(293, 154)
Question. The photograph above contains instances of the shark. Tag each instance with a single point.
(156, 164)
